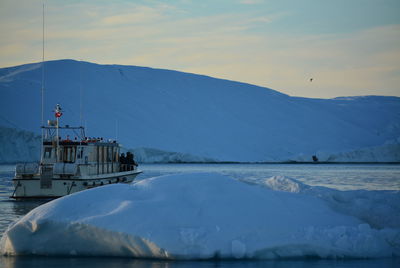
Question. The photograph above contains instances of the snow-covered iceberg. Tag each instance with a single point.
(379, 209)
(197, 216)
(195, 115)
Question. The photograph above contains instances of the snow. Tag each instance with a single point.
(208, 215)
(188, 116)
(379, 209)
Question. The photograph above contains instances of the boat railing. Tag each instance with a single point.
(65, 168)
(127, 167)
(27, 168)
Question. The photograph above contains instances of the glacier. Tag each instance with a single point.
(211, 216)
(187, 116)
(151, 155)
(24, 146)
(18, 146)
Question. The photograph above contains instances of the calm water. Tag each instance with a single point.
(343, 177)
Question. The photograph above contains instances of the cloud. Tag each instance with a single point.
(137, 15)
(365, 62)
(238, 46)
(251, 2)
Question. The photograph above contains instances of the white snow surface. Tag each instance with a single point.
(380, 209)
(206, 215)
(196, 116)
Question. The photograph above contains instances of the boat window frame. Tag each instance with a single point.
(68, 154)
(79, 152)
(47, 152)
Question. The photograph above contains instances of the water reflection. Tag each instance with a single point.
(21, 208)
(10, 209)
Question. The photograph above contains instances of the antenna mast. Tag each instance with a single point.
(42, 90)
(81, 104)
(80, 93)
(116, 129)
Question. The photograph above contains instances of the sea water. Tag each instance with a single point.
(342, 177)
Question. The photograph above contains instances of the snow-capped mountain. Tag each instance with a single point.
(195, 115)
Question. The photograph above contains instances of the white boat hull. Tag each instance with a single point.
(32, 188)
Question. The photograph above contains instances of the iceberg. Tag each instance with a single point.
(18, 145)
(198, 216)
(188, 117)
(151, 155)
(379, 209)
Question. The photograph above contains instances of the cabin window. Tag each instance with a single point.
(116, 155)
(100, 153)
(60, 154)
(79, 154)
(109, 154)
(68, 154)
(93, 155)
(73, 154)
(105, 154)
(47, 152)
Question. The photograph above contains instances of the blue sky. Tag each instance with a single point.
(349, 47)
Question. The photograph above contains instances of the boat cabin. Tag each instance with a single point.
(72, 165)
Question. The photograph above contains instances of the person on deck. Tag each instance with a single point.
(123, 162)
(129, 160)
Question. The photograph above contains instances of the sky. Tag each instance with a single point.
(348, 47)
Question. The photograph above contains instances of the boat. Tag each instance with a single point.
(69, 165)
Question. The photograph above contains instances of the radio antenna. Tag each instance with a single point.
(42, 90)
(81, 105)
(116, 129)
(80, 94)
